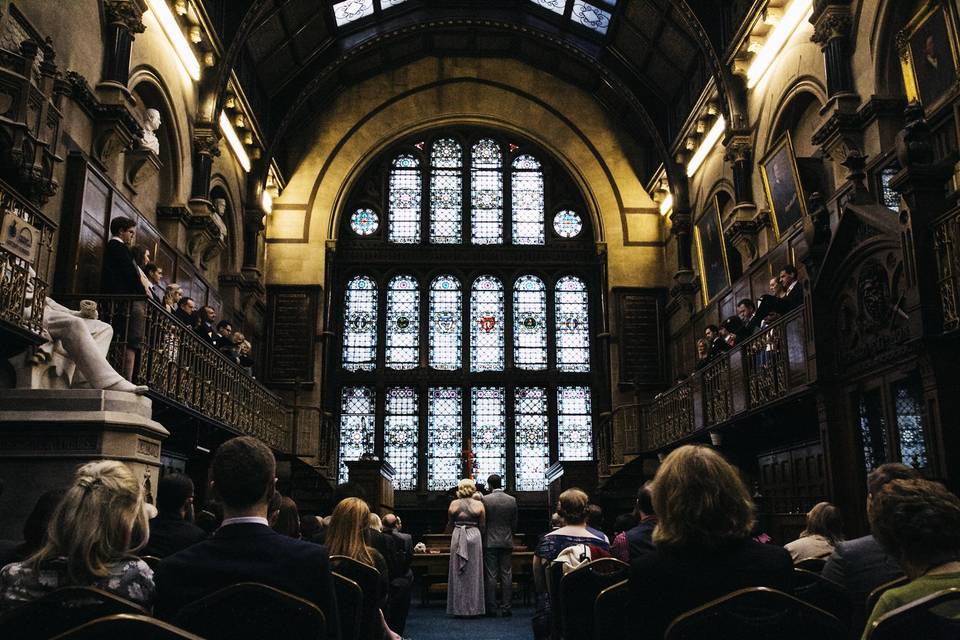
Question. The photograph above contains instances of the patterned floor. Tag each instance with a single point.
(433, 623)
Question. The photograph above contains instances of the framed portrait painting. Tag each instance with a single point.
(930, 56)
(711, 252)
(781, 181)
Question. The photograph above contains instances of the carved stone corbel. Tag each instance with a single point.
(206, 232)
(140, 164)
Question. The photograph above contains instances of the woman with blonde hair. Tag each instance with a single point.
(703, 548)
(824, 529)
(93, 535)
(171, 297)
(466, 518)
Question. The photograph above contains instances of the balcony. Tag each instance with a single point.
(184, 371)
(946, 236)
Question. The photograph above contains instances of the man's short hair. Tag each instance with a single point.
(390, 521)
(917, 521)
(594, 516)
(888, 473)
(184, 300)
(173, 491)
(120, 224)
(494, 481)
(789, 269)
(150, 267)
(224, 323)
(645, 499)
(243, 471)
(748, 303)
(712, 327)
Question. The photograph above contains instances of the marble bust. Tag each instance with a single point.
(149, 139)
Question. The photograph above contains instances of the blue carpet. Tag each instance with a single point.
(433, 623)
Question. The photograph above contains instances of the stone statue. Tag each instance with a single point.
(149, 139)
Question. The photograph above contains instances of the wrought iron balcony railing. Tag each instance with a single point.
(946, 242)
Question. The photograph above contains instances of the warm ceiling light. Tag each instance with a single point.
(711, 139)
(666, 205)
(791, 19)
(231, 135)
(171, 28)
(266, 201)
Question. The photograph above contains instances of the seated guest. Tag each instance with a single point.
(572, 509)
(623, 523)
(35, 528)
(95, 531)
(186, 311)
(636, 541)
(173, 528)
(401, 582)
(703, 546)
(244, 548)
(918, 523)
(287, 522)
(595, 521)
(824, 529)
(210, 517)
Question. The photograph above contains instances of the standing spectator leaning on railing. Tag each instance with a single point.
(121, 276)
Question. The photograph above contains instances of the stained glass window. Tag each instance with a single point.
(357, 425)
(446, 192)
(530, 323)
(572, 325)
(527, 189)
(488, 432)
(446, 325)
(403, 323)
(891, 198)
(873, 429)
(400, 431)
(567, 224)
(360, 325)
(557, 6)
(364, 222)
(908, 401)
(486, 193)
(444, 438)
(390, 3)
(347, 12)
(405, 188)
(531, 438)
(574, 423)
(590, 16)
(486, 325)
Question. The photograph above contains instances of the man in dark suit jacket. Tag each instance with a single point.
(640, 538)
(173, 529)
(245, 548)
(402, 583)
(498, 546)
(792, 298)
(119, 275)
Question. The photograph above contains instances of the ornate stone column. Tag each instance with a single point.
(124, 19)
(206, 147)
(831, 21)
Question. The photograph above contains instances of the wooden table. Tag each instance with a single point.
(431, 569)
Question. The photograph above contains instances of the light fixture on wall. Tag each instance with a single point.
(226, 127)
(171, 28)
(792, 17)
(713, 136)
(667, 204)
(266, 201)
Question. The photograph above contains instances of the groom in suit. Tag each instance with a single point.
(498, 545)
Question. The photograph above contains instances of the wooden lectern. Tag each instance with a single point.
(375, 478)
(565, 475)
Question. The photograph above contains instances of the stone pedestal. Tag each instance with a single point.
(45, 434)
(375, 477)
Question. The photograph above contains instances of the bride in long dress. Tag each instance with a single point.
(465, 520)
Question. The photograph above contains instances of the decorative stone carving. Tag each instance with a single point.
(835, 22)
(206, 232)
(149, 138)
(124, 14)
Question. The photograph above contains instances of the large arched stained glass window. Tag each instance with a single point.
(404, 200)
(488, 432)
(486, 325)
(444, 437)
(400, 432)
(360, 325)
(403, 323)
(574, 423)
(486, 193)
(572, 325)
(357, 425)
(531, 438)
(446, 324)
(530, 323)
(527, 193)
(446, 192)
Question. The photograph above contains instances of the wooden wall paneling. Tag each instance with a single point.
(641, 331)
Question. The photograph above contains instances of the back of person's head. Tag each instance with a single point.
(120, 224)
(824, 519)
(594, 516)
(495, 482)
(789, 269)
(210, 517)
(243, 471)
(38, 522)
(390, 522)
(99, 521)
(700, 500)
(733, 324)
(466, 488)
(888, 473)
(918, 523)
(173, 491)
(645, 499)
(623, 522)
(309, 526)
(375, 523)
(556, 520)
(344, 536)
(288, 518)
(572, 506)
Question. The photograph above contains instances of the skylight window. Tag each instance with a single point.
(594, 15)
(351, 10)
(557, 6)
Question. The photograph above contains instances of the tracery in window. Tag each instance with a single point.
(486, 193)
(572, 325)
(529, 323)
(404, 200)
(527, 193)
(400, 431)
(574, 423)
(531, 438)
(908, 403)
(444, 437)
(590, 16)
(873, 429)
(486, 325)
(364, 222)
(567, 224)
(446, 326)
(357, 425)
(446, 192)
(360, 325)
(350, 10)
(488, 432)
(403, 323)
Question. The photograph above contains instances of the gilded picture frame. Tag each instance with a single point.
(711, 252)
(782, 185)
(929, 55)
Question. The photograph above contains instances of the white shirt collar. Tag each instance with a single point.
(792, 285)
(245, 520)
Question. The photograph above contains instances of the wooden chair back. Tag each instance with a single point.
(350, 606)
(249, 611)
(579, 590)
(554, 574)
(825, 594)
(935, 617)
(62, 610)
(876, 593)
(127, 625)
(368, 579)
(610, 619)
(757, 613)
